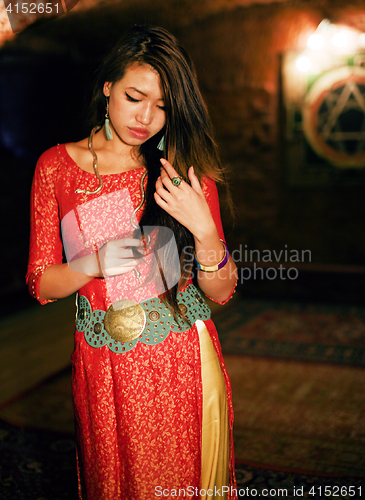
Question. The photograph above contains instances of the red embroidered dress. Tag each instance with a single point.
(138, 413)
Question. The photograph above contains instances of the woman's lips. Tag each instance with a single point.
(139, 133)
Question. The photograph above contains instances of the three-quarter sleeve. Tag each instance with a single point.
(45, 238)
(211, 195)
(210, 191)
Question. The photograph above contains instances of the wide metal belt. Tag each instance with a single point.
(127, 322)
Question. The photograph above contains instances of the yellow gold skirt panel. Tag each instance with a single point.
(215, 422)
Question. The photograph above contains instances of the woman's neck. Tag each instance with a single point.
(115, 156)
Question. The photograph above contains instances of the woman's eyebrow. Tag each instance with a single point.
(140, 92)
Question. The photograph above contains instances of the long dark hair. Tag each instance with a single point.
(188, 129)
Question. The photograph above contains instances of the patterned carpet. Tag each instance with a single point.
(40, 465)
(293, 330)
(303, 416)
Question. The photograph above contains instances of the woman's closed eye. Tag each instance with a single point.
(131, 99)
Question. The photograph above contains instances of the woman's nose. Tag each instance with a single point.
(145, 115)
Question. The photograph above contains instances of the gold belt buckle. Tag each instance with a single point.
(125, 320)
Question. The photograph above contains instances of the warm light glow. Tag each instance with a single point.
(340, 39)
(328, 42)
(315, 41)
(303, 63)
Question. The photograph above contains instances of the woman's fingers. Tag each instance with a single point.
(160, 201)
(162, 189)
(128, 242)
(164, 182)
(117, 256)
(167, 174)
(171, 172)
(185, 202)
(194, 181)
(119, 267)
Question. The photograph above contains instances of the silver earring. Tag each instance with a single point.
(108, 130)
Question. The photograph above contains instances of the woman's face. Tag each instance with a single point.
(136, 106)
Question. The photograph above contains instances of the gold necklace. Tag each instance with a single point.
(95, 166)
(96, 171)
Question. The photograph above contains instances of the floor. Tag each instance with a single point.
(35, 344)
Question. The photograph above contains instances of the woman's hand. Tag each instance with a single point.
(186, 202)
(115, 257)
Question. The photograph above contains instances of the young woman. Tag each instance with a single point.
(137, 209)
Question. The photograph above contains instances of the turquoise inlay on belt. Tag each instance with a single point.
(126, 322)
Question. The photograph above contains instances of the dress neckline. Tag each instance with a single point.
(75, 165)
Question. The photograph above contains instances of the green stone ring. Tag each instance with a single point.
(176, 181)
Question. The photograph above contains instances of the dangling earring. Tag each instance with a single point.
(161, 144)
(108, 130)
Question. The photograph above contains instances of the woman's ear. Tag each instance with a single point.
(106, 89)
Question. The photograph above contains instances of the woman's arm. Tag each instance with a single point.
(45, 249)
(59, 281)
(114, 258)
(188, 205)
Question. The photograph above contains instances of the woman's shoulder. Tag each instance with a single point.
(53, 155)
(51, 164)
(60, 156)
